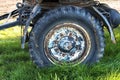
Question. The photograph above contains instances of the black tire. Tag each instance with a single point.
(87, 27)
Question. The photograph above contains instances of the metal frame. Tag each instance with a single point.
(8, 25)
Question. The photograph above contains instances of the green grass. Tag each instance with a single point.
(15, 63)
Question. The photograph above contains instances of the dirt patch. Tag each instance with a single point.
(7, 5)
(113, 3)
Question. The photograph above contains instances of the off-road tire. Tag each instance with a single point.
(66, 14)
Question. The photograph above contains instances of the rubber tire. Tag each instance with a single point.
(69, 13)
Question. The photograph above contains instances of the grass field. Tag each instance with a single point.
(15, 63)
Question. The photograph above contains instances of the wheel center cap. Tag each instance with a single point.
(66, 44)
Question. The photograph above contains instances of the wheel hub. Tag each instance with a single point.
(66, 44)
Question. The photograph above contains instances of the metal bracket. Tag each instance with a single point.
(35, 11)
(107, 23)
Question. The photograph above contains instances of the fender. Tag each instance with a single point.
(106, 22)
